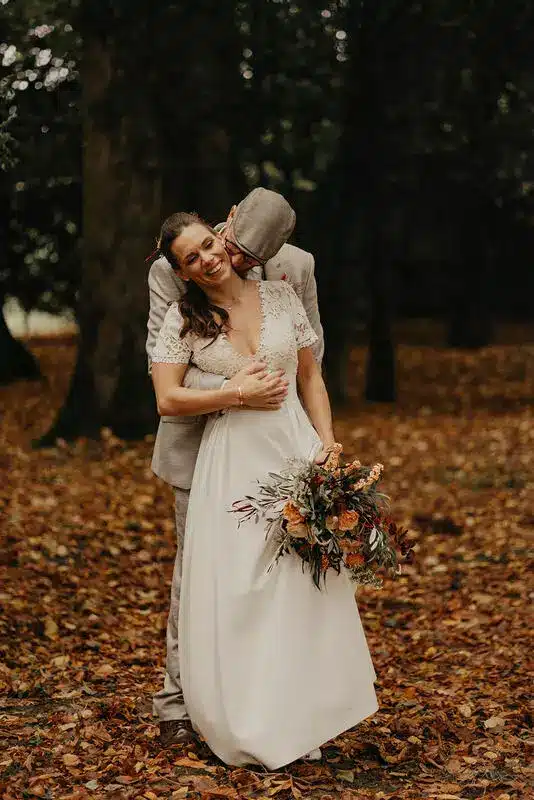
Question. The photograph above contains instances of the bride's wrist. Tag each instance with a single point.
(234, 395)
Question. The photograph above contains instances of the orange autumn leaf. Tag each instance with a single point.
(457, 619)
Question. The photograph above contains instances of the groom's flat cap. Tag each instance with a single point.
(262, 223)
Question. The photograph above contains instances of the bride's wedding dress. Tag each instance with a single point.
(271, 667)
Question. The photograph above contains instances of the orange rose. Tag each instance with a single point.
(291, 513)
(298, 530)
(354, 560)
(348, 520)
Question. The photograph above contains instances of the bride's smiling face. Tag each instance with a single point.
(201, 256)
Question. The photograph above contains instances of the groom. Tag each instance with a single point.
(255, 234)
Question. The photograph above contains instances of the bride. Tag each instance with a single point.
(271, 667)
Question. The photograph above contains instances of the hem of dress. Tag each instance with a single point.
(346, 727)
(311, 745)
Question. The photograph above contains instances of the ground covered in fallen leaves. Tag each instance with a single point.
(86, 553)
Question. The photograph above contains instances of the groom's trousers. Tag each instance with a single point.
(169, 702)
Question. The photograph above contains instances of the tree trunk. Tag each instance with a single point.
(201, 125)
(157, 88)
(16, 363)
(471, 323)
(353, 226)
(380, 378)
(334, 288)
(110, 385)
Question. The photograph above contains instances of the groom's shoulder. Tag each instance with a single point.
(160, 267)
(294, 261)
(162, 274)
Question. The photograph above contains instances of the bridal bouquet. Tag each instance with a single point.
(331, 517)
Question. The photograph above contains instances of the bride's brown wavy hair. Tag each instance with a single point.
(195, 307)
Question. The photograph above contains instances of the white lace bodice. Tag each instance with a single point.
(285, 329)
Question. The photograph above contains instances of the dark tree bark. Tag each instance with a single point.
(353, 226)
(122, 202)
(201, 124)
(156, 88)
(380, 375)
(471, 323)
(482, 158)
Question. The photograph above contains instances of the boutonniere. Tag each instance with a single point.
(284, 277)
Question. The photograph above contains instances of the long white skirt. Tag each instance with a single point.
(271, 667)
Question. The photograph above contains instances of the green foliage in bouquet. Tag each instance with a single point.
(332, 517)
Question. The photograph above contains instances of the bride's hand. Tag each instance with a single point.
(261, 388)
(329, 454)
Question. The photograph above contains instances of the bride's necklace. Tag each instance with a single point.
(235, 301)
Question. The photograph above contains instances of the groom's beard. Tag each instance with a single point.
(239, 262)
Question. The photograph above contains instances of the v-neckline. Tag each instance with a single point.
(260, 333)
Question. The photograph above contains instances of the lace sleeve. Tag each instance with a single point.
(170, 347)
(304, 333)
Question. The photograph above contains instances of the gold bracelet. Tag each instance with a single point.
(240, 393)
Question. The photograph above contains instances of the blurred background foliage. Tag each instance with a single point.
(401, 132)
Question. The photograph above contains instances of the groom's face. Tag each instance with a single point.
(241, 261)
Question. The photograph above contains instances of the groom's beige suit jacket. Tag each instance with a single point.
(178, 438)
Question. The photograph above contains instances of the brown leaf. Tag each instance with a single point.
(396, 758)
(494, 723)
(453, 766)
(50, 628)
(221, 792)
(459, 454)
(345, 775)
(194, 764)
(201, 783)
(295, 791)
(277, 787)
(104, 671)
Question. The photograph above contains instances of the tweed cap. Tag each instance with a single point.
(262, 223)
